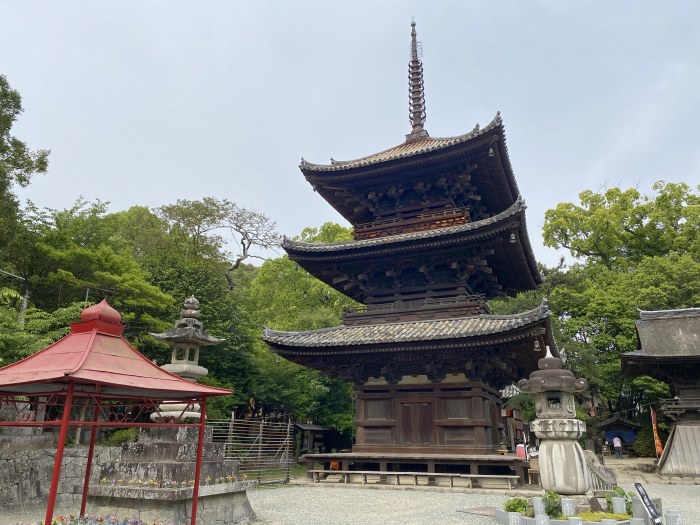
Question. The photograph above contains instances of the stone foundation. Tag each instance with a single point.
(224, 504)
(160, 455)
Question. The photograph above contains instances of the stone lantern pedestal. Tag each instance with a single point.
(563, 466)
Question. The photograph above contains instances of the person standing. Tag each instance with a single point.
(617, 445)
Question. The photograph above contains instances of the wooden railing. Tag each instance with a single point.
(411, 222)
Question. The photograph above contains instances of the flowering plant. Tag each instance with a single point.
(168, 484)
(92, 519)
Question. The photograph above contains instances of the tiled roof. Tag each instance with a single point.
(406, 149)
(288, 244)
(404, 332)
(669, 314)
(669, 333)
(617, 418)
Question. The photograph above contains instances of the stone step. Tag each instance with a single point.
(173, 434)
(166, 471)
(170, 451)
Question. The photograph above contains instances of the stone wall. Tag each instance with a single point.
(27, 460)
(26, 466)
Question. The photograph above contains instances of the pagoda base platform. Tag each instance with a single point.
(469, 464)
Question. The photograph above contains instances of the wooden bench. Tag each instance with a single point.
(395, 475)
(509, 478)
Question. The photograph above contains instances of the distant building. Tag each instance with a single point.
(669, 350)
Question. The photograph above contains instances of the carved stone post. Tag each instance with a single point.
(562, 462)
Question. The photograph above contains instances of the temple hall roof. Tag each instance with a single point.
(669, 332)
(669, 344)
(618, 420)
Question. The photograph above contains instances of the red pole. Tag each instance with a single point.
(59, 453)
(198, 465)
(91, 450)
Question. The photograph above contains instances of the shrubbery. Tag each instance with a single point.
(118, 437)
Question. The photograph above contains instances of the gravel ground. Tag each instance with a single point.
(341, 505)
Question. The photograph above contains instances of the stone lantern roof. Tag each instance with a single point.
(188, 329)
(551, 376)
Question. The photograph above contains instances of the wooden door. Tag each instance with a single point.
(416, 423)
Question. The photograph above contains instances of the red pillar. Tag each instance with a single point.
(91, 451)
(198, 465)
(59, 452)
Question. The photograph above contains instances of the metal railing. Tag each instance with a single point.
(262, 447)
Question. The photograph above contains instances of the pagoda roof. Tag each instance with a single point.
(409, 149)
(96, 355)
(343, 183)
(400, 239)
(365, 338)
(513, 263)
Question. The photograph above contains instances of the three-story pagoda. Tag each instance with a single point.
(439, 229)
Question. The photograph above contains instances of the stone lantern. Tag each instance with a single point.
(186, 338)
(562, 463)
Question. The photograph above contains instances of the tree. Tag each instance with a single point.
(17, 164)
(635, 252)
(39, 330)
(622, 227)
(68, 258)
(284, 296)
(198, 226)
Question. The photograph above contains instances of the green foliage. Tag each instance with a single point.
(117, 438)
(644, 444)
(619, 227)
(552, 504)
(284, 296)
(515, 505)
(17, 165)
(619, 492)
(637, 252)
(599, 516)
(525, 403)
(39, 330)
(328, 232)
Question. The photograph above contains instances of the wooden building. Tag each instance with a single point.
(439, 229)
(669, 350)
(618, 426)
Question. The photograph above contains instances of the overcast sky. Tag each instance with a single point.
(146, 102)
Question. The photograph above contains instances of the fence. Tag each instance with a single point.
(263, 448)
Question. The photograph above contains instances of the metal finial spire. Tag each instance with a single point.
(416, 95)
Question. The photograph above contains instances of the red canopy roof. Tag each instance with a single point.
(96, 356)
